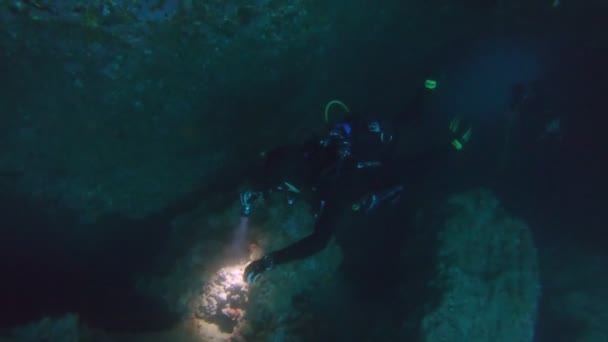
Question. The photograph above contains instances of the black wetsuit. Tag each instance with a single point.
(340, 183)
(337, 179)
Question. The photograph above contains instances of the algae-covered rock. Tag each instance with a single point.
(487, 271)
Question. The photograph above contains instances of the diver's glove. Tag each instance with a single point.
(256, 268)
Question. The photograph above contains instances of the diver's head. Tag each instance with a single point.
(339, 140)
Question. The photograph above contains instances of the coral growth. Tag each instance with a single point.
(223, 298)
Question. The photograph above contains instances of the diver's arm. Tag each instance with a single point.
(309, 245)
(265, 175)
(275, 167)
(303, 248)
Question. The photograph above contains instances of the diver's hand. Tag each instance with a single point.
(256, 268)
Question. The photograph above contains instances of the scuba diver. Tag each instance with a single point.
(351, 168)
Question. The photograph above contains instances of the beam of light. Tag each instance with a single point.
(238, 247)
